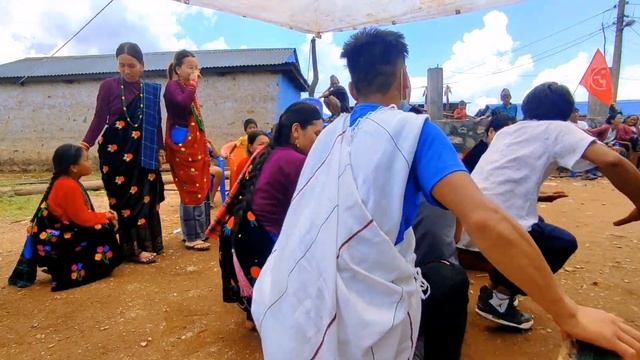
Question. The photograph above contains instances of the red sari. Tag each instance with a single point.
(190, 161)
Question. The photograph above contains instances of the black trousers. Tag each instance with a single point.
(444, 312)
(556, 244)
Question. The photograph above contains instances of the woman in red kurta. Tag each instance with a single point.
(186, 147)
(75, 243)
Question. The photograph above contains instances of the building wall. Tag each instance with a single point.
(39, 116)
(287, 95)
(465, 134)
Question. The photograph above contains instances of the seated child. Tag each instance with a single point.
(76, 244)
(460, 113)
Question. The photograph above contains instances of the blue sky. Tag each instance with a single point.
(431, 41)
(485, 46)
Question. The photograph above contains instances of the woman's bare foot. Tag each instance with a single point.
(145, 258)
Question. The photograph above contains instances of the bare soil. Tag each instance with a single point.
(173, 309)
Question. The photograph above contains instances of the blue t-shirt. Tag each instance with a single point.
(435, 158)
(512, 110)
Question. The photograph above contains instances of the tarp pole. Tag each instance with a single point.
(314, 62)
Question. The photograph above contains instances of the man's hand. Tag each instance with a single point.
(602, 329)
(544, 196)
(633, 216)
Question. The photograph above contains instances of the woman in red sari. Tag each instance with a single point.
(186, 148)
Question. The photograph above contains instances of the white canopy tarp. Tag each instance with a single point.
(317, 17)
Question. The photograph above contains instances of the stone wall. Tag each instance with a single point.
(39, 116)
(465, 134)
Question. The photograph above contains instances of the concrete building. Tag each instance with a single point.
(55, 103)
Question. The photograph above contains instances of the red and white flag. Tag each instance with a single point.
(597, 79)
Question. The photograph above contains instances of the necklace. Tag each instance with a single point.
(124, 104)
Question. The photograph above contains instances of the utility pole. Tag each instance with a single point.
(617, 48)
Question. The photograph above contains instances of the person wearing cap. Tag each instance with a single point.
(506, 107)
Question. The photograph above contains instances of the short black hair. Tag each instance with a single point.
(373, 57)
(548, 101)
(248, 122)
(499, 121)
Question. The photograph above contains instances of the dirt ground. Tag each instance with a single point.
(173, 309)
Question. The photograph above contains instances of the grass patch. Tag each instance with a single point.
(16, 208)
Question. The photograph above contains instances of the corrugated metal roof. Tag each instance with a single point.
(157, 61)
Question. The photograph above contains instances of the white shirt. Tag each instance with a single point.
(582, 125)
(521, 157)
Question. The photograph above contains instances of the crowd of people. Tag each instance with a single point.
(345, 240)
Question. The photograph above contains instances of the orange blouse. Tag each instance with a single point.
(67, 202)
(460, 114)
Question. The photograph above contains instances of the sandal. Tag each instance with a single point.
(144, 258)
(197, 245)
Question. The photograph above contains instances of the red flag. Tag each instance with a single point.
(597, 79)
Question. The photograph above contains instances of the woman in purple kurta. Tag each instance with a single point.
(249, 222)
(129, 151)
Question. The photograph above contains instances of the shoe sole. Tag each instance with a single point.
(524, 326)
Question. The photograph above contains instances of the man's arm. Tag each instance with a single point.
(512, 251)
(622, 174)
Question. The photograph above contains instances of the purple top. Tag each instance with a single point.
(275, 186)
(178, 98)
(109, 107)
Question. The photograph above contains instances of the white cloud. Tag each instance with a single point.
(329, 62)
(38, 27)
(570, 74)
(482, 62)
(629, 82)
(418, 86)
(217, 44)
(480, 102)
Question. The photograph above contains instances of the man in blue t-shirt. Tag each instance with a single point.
(376, 61)
(437, 174)
(506, 107)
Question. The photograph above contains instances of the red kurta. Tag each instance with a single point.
(68, 203)
(190, 162)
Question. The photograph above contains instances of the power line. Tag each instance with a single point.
(548, 36)
(542, 55)
(533, 60)
(66, 42)
(562, 30)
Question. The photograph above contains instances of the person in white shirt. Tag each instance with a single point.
(341, 281)
(575, 120)
(514, 167)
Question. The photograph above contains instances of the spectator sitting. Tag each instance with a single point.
(214, 170)
(612, 132)
(498, 121)
(460, 113)
(249, 126)
(506, 107)
(336, 98)
(575, 119)
(256, 140)
(631, 122)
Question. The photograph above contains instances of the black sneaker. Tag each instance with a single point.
(502, 312)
